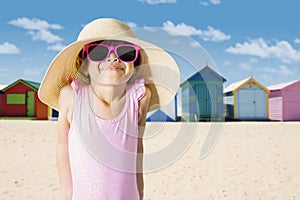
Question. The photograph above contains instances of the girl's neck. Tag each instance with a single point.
(108, 93)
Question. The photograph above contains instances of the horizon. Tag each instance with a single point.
(236, 39)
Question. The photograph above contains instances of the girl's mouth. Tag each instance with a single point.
(113, 68)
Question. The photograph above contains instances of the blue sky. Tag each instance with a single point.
(240, 37)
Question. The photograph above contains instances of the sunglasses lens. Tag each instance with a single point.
(97, 53)
(127, 53)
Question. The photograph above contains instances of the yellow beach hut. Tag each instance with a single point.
(246, 100)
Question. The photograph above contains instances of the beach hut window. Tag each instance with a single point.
(15, 99)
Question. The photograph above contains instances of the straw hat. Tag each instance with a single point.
(158, 68)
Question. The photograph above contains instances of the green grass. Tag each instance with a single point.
(17, 118)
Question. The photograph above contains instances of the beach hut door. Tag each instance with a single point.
(252, 104)
(30, 104)
(207, 100)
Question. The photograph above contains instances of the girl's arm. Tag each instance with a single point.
(62, 152)
(143, 109)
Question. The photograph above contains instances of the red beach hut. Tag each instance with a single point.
(20, 99)
(284, 101)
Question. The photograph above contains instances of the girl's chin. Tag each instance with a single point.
(112, 82)
(109, 78)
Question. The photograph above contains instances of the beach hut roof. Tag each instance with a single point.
(237, 85)
(281, 86)
(159, 114)
(203, 69)
(34, 85)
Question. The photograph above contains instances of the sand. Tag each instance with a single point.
(251, 160)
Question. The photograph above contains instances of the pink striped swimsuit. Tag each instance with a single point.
(103, 152)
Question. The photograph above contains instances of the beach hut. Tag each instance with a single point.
(284, 101)
(52, 114)
(1, 98)
(246, 100)
(159, 116)
(165, 114)
(202, 96)
(20, 99)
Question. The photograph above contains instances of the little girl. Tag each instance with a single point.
(103, 86)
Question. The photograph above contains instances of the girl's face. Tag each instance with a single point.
(111, 70)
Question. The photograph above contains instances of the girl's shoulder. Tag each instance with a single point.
(66, 91)
(147, 95)
(66, 102)
(144, 104)
(66, 98)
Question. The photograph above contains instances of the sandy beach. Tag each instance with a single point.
(251, 160)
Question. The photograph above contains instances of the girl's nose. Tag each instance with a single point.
(112, 57)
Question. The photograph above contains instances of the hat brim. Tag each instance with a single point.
(159, 70)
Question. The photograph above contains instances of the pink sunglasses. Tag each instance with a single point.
(100, 52)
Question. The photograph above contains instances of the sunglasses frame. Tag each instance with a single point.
(110, 49)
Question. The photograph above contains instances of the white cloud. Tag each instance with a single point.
(215, 2)
(207, 3)
(153, 2)
(215, 35)
(34, 24)
(297, 41)
(211, 34)
(180, 29)
(56, 47)
(8, 48)
(204, 3)
(283, 70)
(132, 25)
(45, 36)
(254, 47)
(38, 29)
(282, 50)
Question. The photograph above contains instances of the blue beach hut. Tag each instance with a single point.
(202, 96)
(159, 116)
(165, 114)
